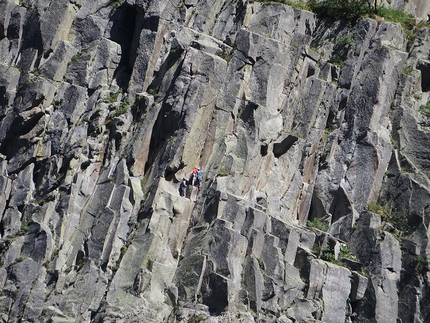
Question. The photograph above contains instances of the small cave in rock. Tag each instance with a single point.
(31, 40)
(215, 294)
(246, 113)
(280, 148)
(3, 98)
(331, 121)
(52, 278)
(264, 149)
(424, 68)
(80, 259)
(311, 71)
(169, 173)
(122, 32)
(301, 262)
(317, 210)
(340, 206)
(41, 170)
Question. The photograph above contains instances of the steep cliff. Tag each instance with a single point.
(312, 134)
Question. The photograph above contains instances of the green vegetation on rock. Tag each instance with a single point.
(406, 20)
(425, 109)
(346, 252)
(301, 5)
(125, 105)
(382, 210)
(111, 98)
(341, 9)
(399, 219)
(317, 224)
(420, 263)
(353, 10)
(408, 69)
(76, 57)
(115, 3)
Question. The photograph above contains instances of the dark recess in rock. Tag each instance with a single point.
(123, 32)
(247, 114)
(211, 208)
(280, 148)
(366, 308)
(302, 263)
(424, 67)
(32, 43)
(264, 149)
(317, 208)
(14, 24)
(340, 205)
(215, 293)
(168, 123)
(3, 99)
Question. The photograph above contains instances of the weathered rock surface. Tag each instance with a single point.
(312, 136)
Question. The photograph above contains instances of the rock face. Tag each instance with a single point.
(312, 136)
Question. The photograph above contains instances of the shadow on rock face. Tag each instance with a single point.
(215, 295)
(123, 32)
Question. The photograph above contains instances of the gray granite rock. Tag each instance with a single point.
(312, 135)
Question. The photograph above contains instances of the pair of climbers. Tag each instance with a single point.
(196, 179)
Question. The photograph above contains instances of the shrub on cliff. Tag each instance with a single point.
(425, 109)
(318, 224)
(341, 9)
